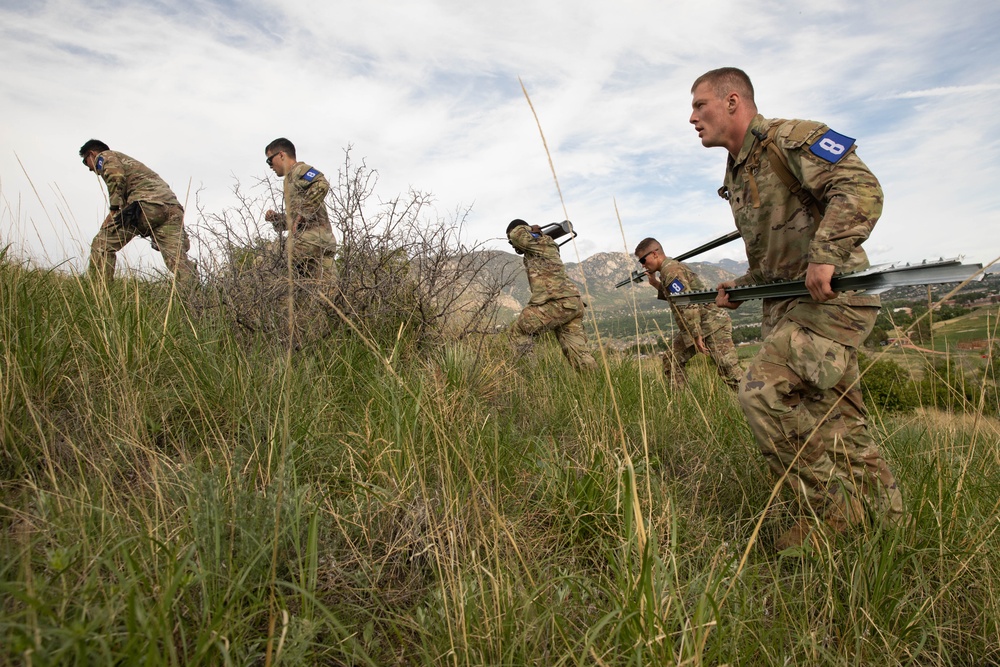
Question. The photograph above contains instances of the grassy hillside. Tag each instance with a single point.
(174, 491)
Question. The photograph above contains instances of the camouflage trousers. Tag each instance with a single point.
(564, 317)
(312, 253)
(803, 403)
(720, 348)
(163, 224)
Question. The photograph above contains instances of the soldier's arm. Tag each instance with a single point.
(522, 239)
(850, 192)
(113, 173)
(314, 197)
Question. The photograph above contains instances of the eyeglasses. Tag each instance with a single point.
(270, 158)
(642, 260)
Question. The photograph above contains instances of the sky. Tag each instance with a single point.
(428, 93)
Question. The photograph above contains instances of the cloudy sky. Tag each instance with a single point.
(427, 93)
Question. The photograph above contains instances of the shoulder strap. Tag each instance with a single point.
(780, 166)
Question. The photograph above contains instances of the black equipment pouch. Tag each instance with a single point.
(132, 218)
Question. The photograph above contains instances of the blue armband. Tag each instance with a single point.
(832, 146)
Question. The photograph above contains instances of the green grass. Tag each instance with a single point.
(981, 324)
(174, 494)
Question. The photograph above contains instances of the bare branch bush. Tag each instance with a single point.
(399, 265)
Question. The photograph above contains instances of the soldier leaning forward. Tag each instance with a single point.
(141, 204)
(803, 202)
(704, 328)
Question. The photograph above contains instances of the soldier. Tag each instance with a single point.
(141, 204)
(310, 244)
(800, 393)
(701, 328)
(555, 302)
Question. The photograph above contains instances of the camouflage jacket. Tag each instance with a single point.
(693, 320)
(305, 192)
(129, 180)
(781, 235)
(546, 272)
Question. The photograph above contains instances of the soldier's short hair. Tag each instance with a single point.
(93, 145)
(645, 245)
(283, 145)
(515, 223)
(726, 80)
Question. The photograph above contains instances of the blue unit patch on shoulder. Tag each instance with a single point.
(310, 176)
(99, 165)
(676, 286)
(832, 146)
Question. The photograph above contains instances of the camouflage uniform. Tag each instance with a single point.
(310, 244)
(800, 394)
(555, 302)
(161, 218)
(708, 322)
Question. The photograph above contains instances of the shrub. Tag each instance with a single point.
(399, 270)
(887, 385)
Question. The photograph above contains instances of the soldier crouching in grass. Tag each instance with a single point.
(804, 202)
(701, 328)
(141, 204)
(555, 303)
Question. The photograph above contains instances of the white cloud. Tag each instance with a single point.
(427, 92)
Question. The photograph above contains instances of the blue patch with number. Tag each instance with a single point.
(310, 176)
(832, 146)
(100, 163)
(676, 286)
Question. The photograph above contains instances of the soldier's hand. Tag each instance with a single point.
(536, 229)
(699, 343)
(818, 277)
(722, 298)
(654, 280)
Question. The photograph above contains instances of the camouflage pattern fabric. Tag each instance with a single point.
(564, 317)
(311, 244)
(555, 303)
(161, 218)
(707, 321)
(305, 191)
(546, 272)
(720, 347)
(129, 180)
(797, 394)
(804, 405)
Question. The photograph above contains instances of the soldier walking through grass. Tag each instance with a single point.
(141, 204)
(555, 303)
(804, 202)
(701, 328)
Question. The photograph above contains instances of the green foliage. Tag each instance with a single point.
(887, 385)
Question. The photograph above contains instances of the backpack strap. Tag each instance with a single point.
(780, 165)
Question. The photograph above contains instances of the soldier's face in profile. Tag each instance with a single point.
(276, 161)
(88, 160)
(652, 259)
(709, 116)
